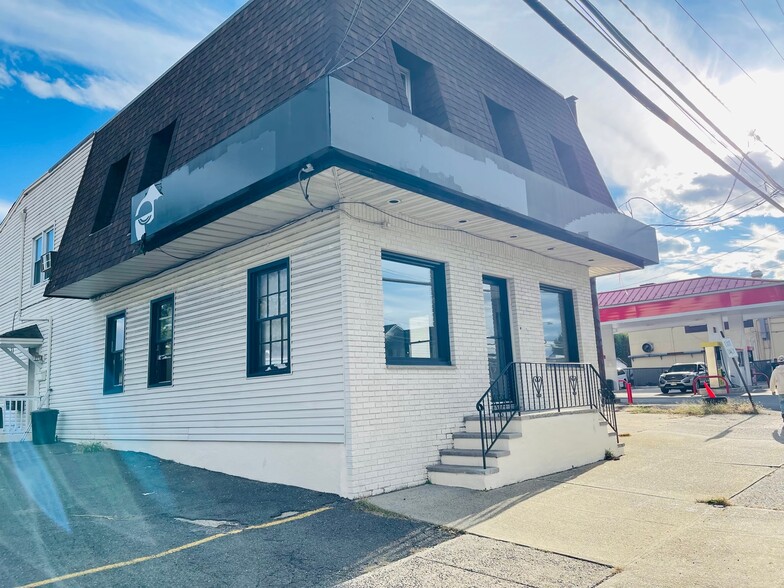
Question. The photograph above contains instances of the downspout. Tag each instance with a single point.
(23, 216)
(597, 328)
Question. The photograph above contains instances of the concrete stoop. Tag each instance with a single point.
(531, 446)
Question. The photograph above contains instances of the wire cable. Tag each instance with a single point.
(674, 56)
(376, 42)
(715, 42)
(759, 26)
(351, 21)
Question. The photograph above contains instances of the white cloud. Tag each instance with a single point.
(96, 92)
(5, 78)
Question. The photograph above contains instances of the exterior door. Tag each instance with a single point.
(499, 338)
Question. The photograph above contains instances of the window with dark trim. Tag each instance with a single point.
(508, 132)
(416, 323)
(111, 193)
(560, 330)
(159, 368)
(157, 156)
(421, 88)
(114, 354)
(570, 166)
(695, 329)
(42, 244)
(269, 335)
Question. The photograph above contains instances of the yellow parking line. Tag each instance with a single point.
(174, 550)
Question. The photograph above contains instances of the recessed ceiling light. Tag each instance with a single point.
(462, 221)
(393, 201)
(591, 260)
(551, 249)
(513, 236)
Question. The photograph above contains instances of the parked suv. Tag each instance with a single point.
(681, 376)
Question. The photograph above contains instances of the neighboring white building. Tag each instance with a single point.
(321, 296)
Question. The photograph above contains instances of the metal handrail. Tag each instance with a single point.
(537, 387)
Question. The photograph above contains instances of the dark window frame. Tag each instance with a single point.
(440, 302)
(153, 342)
(688, 329)
(427, 100)
(572, 171)
(111, 336)
(508, 134)
(572, 346)
(253, 342)
(116, 177)
(158, 155)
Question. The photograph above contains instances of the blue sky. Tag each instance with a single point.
(66, 66)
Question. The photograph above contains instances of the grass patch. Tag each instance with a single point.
(697, 409)
(94, 447)
(715, 501)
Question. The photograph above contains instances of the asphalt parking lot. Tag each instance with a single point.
(126, 519)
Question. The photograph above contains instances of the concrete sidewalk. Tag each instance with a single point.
(638, 517)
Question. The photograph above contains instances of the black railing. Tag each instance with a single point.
(538, 387)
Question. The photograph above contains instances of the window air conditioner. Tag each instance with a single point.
(46, 261)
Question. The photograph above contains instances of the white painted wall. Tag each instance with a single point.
(401, 416)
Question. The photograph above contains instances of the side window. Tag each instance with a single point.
(42, 244)
(114, 355)
(416, 321)
(269, 335)
(159, 372)
(560, 330)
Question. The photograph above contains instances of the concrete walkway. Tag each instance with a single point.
(638, 520)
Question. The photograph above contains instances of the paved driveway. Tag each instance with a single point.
(639, 517)
(128, 519)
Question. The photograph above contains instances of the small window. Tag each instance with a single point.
(695, 329)
(159, 371)
(508, 132)
(560, 331)
(157, 156)
(405, 78)
(268, 320)
(111, 193)
(570, 166)
(114, 357)
(415, 310)
(42, 244)
(421, 88)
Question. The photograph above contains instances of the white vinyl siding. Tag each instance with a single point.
(211, 398)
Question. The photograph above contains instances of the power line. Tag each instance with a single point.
(715, 42)
(617, 34)
(377, 41)
(709, 260)
(759, 26)
(780, 7)
(663, 44)
(351, 21)
(630, 88)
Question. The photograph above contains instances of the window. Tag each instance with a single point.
(695, 329)
(570, 166)
(560, 332)
(110, 194)
(157, 155)
(415, 310)
(114, 357)
(421, 88)
(42, 244)
(508, 133)
(159, 369)
(268, 320)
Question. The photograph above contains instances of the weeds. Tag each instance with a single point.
(697, 409)
(94, 447)
(610, 456)
(716, 501)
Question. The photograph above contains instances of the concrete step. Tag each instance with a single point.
(471, 457)
(472, 424)
(476, 478)
(470, 440)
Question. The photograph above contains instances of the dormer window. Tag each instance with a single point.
(111, 193)
(42, 244)
(570, 166)
(508, 132)
(157, 156)
(405, 78)
(421, 88)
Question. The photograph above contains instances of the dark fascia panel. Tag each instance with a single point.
(332, 123)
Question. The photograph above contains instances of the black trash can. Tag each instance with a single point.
(44, 426)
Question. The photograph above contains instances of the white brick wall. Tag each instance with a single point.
(399, 417)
